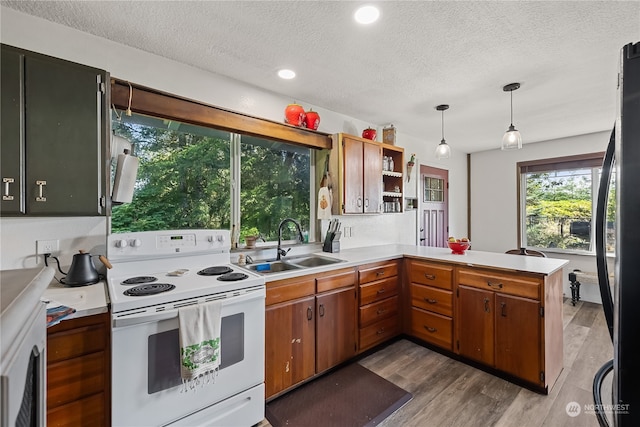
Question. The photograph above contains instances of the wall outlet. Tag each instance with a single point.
(47, 246)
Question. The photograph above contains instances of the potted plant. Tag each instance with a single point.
(410, 164)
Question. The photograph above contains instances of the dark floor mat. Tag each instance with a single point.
(352, 396)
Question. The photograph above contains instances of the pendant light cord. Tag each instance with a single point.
(511, 107)
(442, 125)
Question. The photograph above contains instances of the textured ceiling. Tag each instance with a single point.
(418, 55)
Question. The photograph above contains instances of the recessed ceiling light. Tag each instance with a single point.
(367, 14)
(286, 74)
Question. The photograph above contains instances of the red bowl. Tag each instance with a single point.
(458, 248)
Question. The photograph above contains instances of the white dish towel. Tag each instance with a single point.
(199, 343)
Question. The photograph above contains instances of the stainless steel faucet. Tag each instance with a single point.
(281, 252)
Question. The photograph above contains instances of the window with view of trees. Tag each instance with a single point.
(558, 199)
(185, 179)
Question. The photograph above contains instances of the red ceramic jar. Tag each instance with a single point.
(294, 115)
(312, 120)
(369, 133)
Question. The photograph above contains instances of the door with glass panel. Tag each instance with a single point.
(434, 221)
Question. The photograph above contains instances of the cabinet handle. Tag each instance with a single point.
(503, 309)
(430, 276)
(430, 329)
(486, 305)
(431, 301)
(379, 273)
(366, 203)
(321, 310)
(309, 313)
(7, 193)
(41, 197)
(380, 331)
(494, 285)
(359, 202)
(381, 311)
(381, 291)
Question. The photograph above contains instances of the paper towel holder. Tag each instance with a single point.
(125, 172)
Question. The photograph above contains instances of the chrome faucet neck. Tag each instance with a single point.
(280, 252)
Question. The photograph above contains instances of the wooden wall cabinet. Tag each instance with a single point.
(378, 318)
(310, 327)
(430, 288)
(79, 372)
(511, 322)
(55, 136)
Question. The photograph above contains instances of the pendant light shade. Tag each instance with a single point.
(443, 151)
(512, 138)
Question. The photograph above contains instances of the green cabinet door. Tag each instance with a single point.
(11, 132)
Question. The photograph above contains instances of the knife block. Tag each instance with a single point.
(332, 245)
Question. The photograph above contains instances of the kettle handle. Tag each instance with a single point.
(103, 259)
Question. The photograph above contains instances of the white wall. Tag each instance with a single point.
(19, 235)
(494, 220)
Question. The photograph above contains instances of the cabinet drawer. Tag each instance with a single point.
(379, 332)
(371, 272)
(287, 290)
(87, 412)
(431, 274)
(432, 299)
(372, 313)
(432, 327)
(523, 286)
(379, 290)
(340, 279)
(74, 379)
(76, 342)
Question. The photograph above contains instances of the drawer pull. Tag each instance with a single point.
(431, 301)
(494, 285)
(430, 276)
(430, 329)
(381, 291)
(380, 273)
(380, 331)
(381, 311)
(486, 305)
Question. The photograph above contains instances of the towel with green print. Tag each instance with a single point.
(199, 344)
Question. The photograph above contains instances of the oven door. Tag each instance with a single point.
(146, 382)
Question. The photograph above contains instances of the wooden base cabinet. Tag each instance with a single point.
(511, 322)
(431, 302)
(310, 327)
(78, 372)
(378, 303)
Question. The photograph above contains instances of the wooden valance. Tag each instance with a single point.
(159, 104)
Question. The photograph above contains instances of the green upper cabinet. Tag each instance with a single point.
(54, 136)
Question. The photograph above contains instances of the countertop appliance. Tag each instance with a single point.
(621, 306)
(154, 275)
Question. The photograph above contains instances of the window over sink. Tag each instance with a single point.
(193, 176)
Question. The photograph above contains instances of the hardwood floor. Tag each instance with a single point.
(450, 393)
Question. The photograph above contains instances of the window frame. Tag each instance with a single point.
(142, 100)
(587, 160)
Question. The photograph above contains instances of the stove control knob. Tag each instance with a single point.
(220, 238)
(121, 243)
(210, 239)
(136, 243)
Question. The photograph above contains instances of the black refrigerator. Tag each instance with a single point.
(621, 300)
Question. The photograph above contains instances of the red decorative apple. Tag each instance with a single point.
(369, 133)
(294, 114)
(312, 120)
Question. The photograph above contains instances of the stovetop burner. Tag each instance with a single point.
(215, 271)
(149, 289)
(232, 277)
(138, 280)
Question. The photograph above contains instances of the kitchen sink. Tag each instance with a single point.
(293, 263)
(314, 261)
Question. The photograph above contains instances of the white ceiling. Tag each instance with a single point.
(418, 55)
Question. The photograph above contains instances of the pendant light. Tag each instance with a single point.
(443, 151)
(512, 138)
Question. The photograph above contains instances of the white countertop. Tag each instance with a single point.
(87, 300)
(357, 256)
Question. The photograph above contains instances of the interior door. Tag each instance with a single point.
(434, 223)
